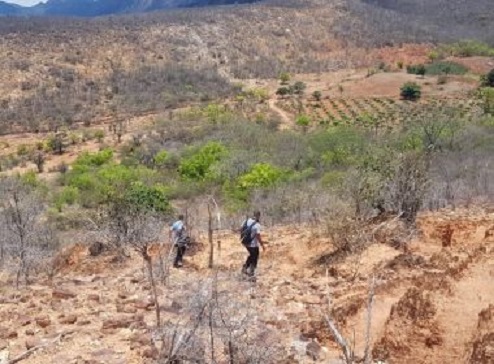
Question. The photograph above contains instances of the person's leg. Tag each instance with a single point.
(254, 255)
(178, 257)
(248, 262)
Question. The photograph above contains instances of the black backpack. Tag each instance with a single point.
(246, 232)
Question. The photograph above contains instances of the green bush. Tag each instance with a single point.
(94, 159)
(445, 68)
(198, 164)
(161, 158)
(303, 121)
(411, 91)
(67, 196)
(416, 69)
(262, 175)
(488, 79)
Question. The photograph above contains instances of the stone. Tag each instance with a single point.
(62, 294)
(29, 332)
(7, 333)
(32, 342)
(93, 297)
(117, 323)
(43, 321)
(150, 353)
(24, 320)
(125, 309)
(144, 304)
(68, 320)
(313, 350)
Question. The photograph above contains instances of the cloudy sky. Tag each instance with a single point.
(23, 2)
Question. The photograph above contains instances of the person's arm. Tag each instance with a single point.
(259, 237)
(261, 242)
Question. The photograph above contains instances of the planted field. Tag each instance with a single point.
(375, 112)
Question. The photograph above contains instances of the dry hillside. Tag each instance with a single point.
(431, 299)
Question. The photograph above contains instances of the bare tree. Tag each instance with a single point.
(27, 240)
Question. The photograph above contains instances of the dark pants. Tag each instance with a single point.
(251, 262)
(180, 255)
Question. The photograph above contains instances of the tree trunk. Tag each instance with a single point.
(210, 238)
(149, 264)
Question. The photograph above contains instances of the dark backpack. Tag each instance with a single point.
(246, 232)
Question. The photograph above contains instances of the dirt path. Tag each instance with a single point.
(286, 121)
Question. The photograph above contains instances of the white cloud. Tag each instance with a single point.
(24, 2)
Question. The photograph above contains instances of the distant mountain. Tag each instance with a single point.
(10, 9)
(91, 8)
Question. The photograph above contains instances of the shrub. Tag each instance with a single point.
(411, 91)
(262, 175)
(417, 69)
(298, 87)
(99, 135)
(317, 95)
(283, 91)
(68, 196)
(284, 78)
(161, 158)
(445, 67)
(488, 79)
(303, 121)
(197, 165)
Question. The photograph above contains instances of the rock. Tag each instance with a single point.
(144, 304)
(150, 353)
(29, 332)
(313, 350)
(125, 309)
(7, 333)
(96, 249)
(68, 320)
(24, 320)
(32, 342)
(3, 344)
(117, 323)
(43, 321)
(141, 339)
(93, 297)
(83, 322)
(62, 294)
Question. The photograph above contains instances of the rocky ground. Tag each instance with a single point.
(433, 298)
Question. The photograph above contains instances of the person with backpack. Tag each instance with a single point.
(179, 238)
(250, 236)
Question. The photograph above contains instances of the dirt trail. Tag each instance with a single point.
(286, 121)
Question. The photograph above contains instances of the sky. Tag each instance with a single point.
(23, 2)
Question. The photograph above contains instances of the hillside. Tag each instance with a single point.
(361, 130)
(431, 302)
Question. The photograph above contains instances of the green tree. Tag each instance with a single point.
(411, 91)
